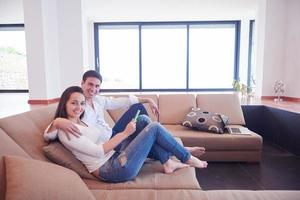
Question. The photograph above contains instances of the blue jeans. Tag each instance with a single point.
(126, 164)
(120, 125)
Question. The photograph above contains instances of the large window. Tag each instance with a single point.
(167, 56)
(212, 53)
(119, 56)
(13, 68)
(163, 57)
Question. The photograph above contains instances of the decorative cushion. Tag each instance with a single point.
(34, 179)
(227, 104)
(57, 153)
(205, 121)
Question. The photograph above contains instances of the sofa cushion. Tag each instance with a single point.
(218, 142)
(33, 179)
(226, 104)
(203, 120)
(173, 107)
(108, 119)
(152, 176)
(57, 153)
(7, 147)
(125, 194)
(116, 114)
(27, 129)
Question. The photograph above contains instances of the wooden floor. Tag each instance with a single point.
(278, 170)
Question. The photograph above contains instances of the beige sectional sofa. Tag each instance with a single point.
(25, 172)
(219, 147)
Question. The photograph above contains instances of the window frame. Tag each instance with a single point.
(236, 23)
(250, 51)
(13, 27)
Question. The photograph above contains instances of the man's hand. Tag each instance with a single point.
(153, 107)
(67, 126)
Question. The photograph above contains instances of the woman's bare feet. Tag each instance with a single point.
(196, 151)
(195, 162)
(170, 166)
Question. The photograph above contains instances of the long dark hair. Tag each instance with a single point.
(61, 110)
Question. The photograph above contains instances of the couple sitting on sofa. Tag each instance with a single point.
(114, 155)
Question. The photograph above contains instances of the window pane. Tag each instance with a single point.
(119, 56)
(13, 67)
(211, 56)
(164, 57)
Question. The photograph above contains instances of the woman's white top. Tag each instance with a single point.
(88, 148)
(94, 117)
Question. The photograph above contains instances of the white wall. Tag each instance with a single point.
(42, 49)
(72, 46)
(11, 12)
(169, 10)
(292, 51)
(281, 47)
(274, 51)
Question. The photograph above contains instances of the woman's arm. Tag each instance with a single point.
(81, 145)
(86, 146)
(118, 138)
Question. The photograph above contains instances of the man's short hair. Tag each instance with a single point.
(91, 73)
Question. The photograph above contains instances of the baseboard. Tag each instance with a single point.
(43, 101)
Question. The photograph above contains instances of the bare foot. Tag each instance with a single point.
(196, 151)
(195, 162)
(170, 166)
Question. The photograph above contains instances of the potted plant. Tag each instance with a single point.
(242, 88)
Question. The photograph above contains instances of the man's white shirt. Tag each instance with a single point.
(95, 117)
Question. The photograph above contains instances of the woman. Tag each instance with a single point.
(139, 137)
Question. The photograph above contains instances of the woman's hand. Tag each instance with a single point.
(130, 128)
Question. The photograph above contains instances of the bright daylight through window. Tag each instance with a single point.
(167, 56)
(13, 68)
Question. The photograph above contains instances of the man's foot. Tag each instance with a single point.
(195, 162)
(170, 166)
(196, 151)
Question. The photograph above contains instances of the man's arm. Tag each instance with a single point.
(152, 104)
(63, 124)
(121, 102)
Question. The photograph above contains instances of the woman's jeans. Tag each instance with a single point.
(122, 123)
(149, 136)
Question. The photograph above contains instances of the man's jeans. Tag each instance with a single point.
(122, 123)
(149, 136)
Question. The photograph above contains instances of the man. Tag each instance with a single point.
(96, 106)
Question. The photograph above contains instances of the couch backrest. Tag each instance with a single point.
(26, 129)
(174, 107)
(7, 147)
(116, 114)
(227, 104)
